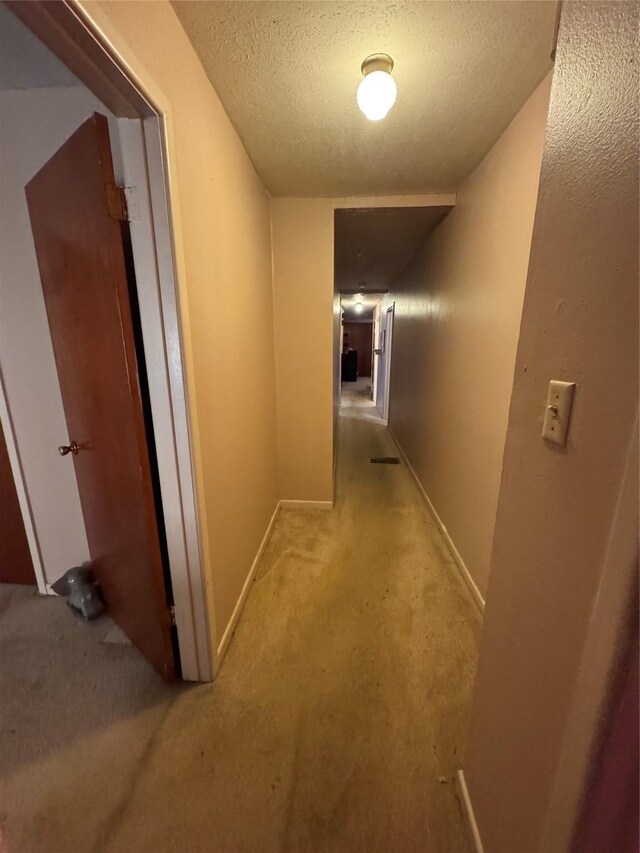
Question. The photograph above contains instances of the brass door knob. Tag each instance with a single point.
(68, 448)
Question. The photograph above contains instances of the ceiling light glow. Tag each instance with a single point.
(377, 91)
(359, 308)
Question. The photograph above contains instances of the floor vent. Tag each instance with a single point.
(385, 460)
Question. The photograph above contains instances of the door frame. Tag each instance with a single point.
(67, 30)
(385, 343)
(388, 344)
(375, 367)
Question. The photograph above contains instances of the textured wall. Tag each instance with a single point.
(458, 307)
(579, 322)
(223, 253)
(302, 234)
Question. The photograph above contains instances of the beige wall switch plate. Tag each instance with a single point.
(558, 411)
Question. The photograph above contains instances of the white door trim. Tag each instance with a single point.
(391, 313)
(160, 316)
(388, 340)
(141, 143)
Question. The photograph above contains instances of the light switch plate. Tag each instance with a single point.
(557, 413)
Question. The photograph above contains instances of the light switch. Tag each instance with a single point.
(558, 411)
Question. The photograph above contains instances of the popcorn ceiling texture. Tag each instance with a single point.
(287, 74)
(374, 245)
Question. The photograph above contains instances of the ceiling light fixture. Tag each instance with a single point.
(359, 308)
(377, 91)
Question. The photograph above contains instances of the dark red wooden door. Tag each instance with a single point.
(81, 255)
(16, 565)
(359, 336)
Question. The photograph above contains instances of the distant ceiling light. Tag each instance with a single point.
(377, 91)
(359, 308)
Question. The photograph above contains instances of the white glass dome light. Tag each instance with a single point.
(377, 91)
(359, 308)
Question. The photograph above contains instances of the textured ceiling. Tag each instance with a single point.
(25, 63)
(368, 301)
(287, 74)
(373, 245)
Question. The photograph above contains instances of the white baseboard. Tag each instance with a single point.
(467, 812)
(457, 559)
(286, 504)
(228, 632)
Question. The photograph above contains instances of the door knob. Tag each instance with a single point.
(68, 448)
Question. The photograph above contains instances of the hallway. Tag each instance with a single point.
(336, 723)
(356, 400)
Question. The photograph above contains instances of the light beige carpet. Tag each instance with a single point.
(341, 703)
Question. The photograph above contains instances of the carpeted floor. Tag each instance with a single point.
(336, 723)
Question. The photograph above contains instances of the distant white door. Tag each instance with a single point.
(384, 362)
(375, 370)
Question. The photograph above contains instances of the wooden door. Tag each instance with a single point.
(359, 337)
(81, 244)
(16, 565)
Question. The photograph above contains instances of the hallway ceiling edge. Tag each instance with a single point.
(287, 74)
(373, 246)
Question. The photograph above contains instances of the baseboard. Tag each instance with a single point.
(457, 559)
(287, 504)
(467, 812)
(228, 632)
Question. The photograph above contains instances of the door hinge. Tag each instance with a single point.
(172, 615)
(131, 203)
(116, 202)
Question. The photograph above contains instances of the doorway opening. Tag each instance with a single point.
(372, 247)
(50, 106)
(362, 349)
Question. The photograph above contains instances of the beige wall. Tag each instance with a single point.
(457, 316)
(554, 522)
(302, 236)
(223, 253)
